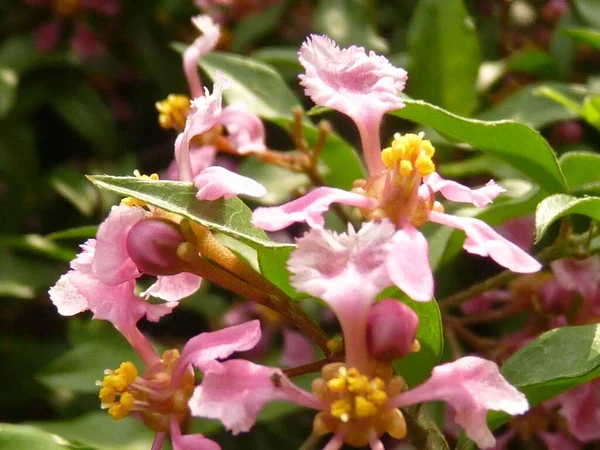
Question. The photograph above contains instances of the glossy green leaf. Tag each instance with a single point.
(348, 22)
(556, 206)
(444, 55)
(416, 367)
(534, 62)
(72, 185)
(562, 48)
(82, 108)
(86, 231)
(255, 26)
(9, 81)
(555, 362)
(283, 59)
(231, 217)
(91, 430)
(262, 90)
(591, 110)
(423, 432)
(582, 171)
(273, 266)
(36, 244)
(529, 107)
(589, 10)
(25, 437)
(586, 35)
(518, 144)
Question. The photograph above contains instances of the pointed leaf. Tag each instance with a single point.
(582, 171)
(556, 206)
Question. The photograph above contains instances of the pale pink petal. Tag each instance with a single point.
(217, 182)
(309, 208)
(66, 297)
(47, 36)
(245, 131)
(557, 441)
(347, 271)
(112, 264)
(484, 241)
(407, 263)
(582, 276)
(207, 347)
(201, 46)
(200, 158)
(297, 349)
(173, 288)
(85, 43)
(239, 389)
(581, 408)
(190, 441)
(336, 442)
(472, 386)
(351, 81)
(520, 231)
(204, 115)
(456, 192)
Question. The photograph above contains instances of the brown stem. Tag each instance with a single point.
(312, 367)
(498, 314)
(478, 343)
(452, 340)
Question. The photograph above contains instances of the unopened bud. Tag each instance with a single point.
(391, 329)
(152, 245)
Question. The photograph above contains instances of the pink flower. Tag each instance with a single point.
(404, 195)
(360, 85)
(159, 397)
(582, 276)
(581, 408)
(235, 391)
(211, 33)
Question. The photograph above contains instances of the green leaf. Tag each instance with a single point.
(255, 26)
(562, 48)
(582, 171)
(91, 429)
(555, 362)
(591, 110)
(281, 184)
(82, 108)
(84, 232)
(18, 158)
(34, 243)
(262, 90)
(444, 55)
(348, 22)
(589, 10)
(284, 59)
(25, 437)
(416, 367)
(586, 35)
(273, 266)
(529, 107)
(556, 206)
(521, 146)
(22, 275)
(423, 432)
(9, 81)
(231, 217)
(72, 185)
(534, 62)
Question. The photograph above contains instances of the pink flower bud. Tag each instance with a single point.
(152, 245)
(391, 329)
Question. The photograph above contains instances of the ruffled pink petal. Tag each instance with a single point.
(173, 288)
(211, 34)
(217, 182)
(245, 131)
(85, 43)
(471, 386)
(581, 276)
(112, 264)
(456, 192)
(239, 389)
(47, 36)
(309, 208)
(557, 441)
(297, 349)
(204, 115)
(347, 271)
(581, 408)
(407, 263)
(484, 241)
(190, 441)
(349, 80)
(207, 347)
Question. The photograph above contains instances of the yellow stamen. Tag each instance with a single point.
(341, 408)
(123, 407)
(130, 201)
(408, 152)
(173, 111)
(363, 407)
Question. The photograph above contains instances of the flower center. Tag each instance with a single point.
(358, 404)
(173, 111)
(153, 394)
(409, 155)
(130, 201)
(67, 8)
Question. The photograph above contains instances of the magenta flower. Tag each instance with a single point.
(362, 86)
(159, 397)
(404, 196)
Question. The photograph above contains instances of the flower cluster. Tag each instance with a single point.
(358, 396)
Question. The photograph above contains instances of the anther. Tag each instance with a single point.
(173, 111)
